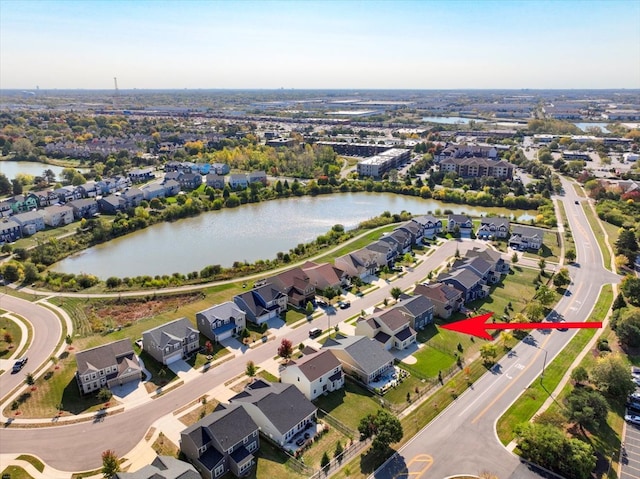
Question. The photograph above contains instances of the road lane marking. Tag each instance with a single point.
(503, 392)
(426, 458)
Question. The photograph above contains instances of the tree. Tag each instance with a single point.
(11, 273)
(534, 311)
(110, 464)
(628, 328)
(627, 245)
(396, 292)
(385, 429)
(545, 295)
(630, 287)
(587, 408)
(31, 273)
(570, 255)
(488, 353)
(338, 452)
(5, 185)
(105, 394)
(619, 302)
(514, 258)
(309, 308)
(505, 337)
(621, 262)
(68, 339)
(561, 278)
(16, 187)
(579, 375)
(542, 264)
(285, 350)
(7, 337)
(29, 379)
(251, 369)
(612, 376)
(324, 462)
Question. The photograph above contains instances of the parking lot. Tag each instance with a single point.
(631, 461)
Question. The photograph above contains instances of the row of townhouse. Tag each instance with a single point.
(493, 227)
(236, 180)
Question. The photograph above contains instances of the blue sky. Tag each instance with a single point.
(330, 44)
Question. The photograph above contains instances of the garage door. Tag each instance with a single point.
(173, 358)
(225, 335)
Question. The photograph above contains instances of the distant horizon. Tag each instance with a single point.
(320, 45)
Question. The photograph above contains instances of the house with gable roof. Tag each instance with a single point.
(525, 237)
(280, 410)
(415, 230)
(221, 321)
(386, 251)
(262, 304)
(224, 441)
(296, 285)
(162, 467)
(361, 357)
(171, 341)
(493, 228)
(464, 224)
(445, 298)
(360, 263)
(418, 309)
(57, 215)
(431, 226)
(109, 365)
(494, 257)
(84, 208)
(30, 222)
(9, 231)
(314, 374)
(469, 282)
(325, 275)
(391, 328)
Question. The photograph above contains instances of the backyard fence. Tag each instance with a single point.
(336, 463)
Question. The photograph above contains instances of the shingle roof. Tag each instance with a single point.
(315, 365)
(394, 319)
(225, 427)
(365, 352)
(465, 276)
(102, 356)
(416, 305)
(224, 311)
(162, 467)
(283, 404)
(168, 333)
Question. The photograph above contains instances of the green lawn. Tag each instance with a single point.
(16, 472)
(431, 360)
(349, 404)
(45, 235)
(550, 250)
(34, 461)
(8, 326)
(595, 223)
(272, 463)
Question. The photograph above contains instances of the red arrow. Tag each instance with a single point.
(476, 326)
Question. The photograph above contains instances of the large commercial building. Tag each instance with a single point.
(378, 165)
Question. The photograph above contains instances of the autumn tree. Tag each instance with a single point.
(110, 464)
(612, 376)
(251, 369)
(285, 350)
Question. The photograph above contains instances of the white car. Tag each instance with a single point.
(632, 419)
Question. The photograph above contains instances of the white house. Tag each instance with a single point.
(314, 374)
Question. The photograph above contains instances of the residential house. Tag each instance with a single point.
(22, 203)
(171, 341)
(162, 467)
(141, 175)
(88, 189)
(45, 198)
(30, 222)
(57, 215)
(121, 182)
(224, 441)
(402, 239)
(190, 181)
(171, 187)
(481, 266)
(386, 251)
(112, 204)
(107, 366)
(133, 197)
(525, 237)
(419, 310)
(152, 190)
(314, 374)
(325, 275)
(296, 285)
(238, 180)
(280, 410)
(462, 222)
(10, 231)
(415, 230)
(221, 321)
(467, 281)
(445, 298)
(431, 226)
(220, 168)
(67, 193)
(173, 176)
(215, 180)
(262, 304)
(5, 208)
(498, 263)
(84, 208)
(361, 357)
(391, 328)
(493, 228)
(360, 263)
(257, 177)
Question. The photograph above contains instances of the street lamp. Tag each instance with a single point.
(544, 363)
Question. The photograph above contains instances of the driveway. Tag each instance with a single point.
(131, 393)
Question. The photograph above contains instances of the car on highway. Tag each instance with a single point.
(632, 419)
(19, 364)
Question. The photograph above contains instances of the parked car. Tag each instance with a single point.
(344, 304)
(19, 364)
(315, 332)
(632, 419)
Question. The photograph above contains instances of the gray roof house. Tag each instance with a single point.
(30, 222)
(223, 441)
(360, 263)
(525, 237)
(84, 208)
(9, 231)
(171, 341)
(445, 298)
(467, 281)
(493, 227)
(152, 190)
(494, 257)
(391, 328)
(463, 222)
(162, 467)
(57, 215)
(262, 304)
(133, 197)
(280, 410)
(221, 321)
(108, 365)
(419, 310)
(387, 251)
(431, 225)
(314, 374)
(361, 357)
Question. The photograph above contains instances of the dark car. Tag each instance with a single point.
(315, 332)
(19, 364)
(345, 305)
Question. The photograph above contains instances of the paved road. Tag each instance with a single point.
(462, 439)
(58, 446)
(46, 334)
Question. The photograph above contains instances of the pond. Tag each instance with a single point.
(451, 120)
(248, 233)
(34, 168)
